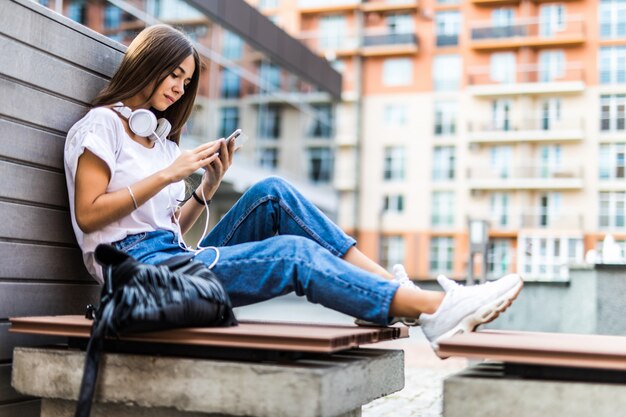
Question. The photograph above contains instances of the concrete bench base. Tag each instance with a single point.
(483, 390)
(137, 385)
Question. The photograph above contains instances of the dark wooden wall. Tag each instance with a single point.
(50, 69)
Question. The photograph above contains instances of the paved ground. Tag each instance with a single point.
(424, 371)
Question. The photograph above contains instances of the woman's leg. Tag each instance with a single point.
(274, 207)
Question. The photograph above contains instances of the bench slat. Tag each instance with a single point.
(36, 224)
(22, 299)
(10, 340)
(99, 56)
(44, 71)
(33, 185)
(42, 262)
(35, 107)
(23, 409)
(35, 146)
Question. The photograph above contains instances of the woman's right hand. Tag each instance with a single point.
(191, 160)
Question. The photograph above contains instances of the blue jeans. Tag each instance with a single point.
(274, 241)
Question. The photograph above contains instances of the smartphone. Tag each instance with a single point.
(233, 136)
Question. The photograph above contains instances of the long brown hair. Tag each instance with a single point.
(153, 55)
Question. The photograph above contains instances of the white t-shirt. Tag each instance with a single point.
(102, 132)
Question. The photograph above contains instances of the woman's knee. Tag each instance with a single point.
(274, 186)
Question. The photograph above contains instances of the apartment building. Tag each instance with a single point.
(506, 111)
(286, 118)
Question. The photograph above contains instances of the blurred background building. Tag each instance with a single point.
(505, 111)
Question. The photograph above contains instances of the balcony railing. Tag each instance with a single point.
(546, 124)
(508, 171)
(377, 38)
(515, 218)
(572, 27)
(571, 71)
(447, 40)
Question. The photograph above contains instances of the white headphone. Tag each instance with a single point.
(144, 123)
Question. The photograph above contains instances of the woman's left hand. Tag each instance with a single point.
(214, 171)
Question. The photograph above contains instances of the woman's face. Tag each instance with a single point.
(173, 86)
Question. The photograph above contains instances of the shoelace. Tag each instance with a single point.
(401, 277)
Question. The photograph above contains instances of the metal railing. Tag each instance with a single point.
(547, 124)
(508, 171)
(529, 28)
(515, 217)
(447, 40)
(533, 73)
(389, 38)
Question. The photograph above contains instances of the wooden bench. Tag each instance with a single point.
(51, 68)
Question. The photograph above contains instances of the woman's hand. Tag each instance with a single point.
(190, 161)
(216, 168)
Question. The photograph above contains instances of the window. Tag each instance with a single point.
(229, 121)
(320, 166)
(503, 17)
(268, 158)
(322, 123)
(550, 113)
(547, 257)
(612, 161)
(551, 65)
(613, 65)
(232, 45)
(332, 31)
(501, 160)
(269, 75)
(613, 112)
(394, 163)
(445, 118)
(499, 257)
(612, 210)
(269, 122)
(392, 251)
(501, 115)
(612, 19)
(395, 115)
(112, 17)
(447, 1)
(442, 210)
(448, 26)
(393, 203)
(549, 210)
(499, 206)
(231, 84)
(443, 163)
(502, 67)
(441, 255)
(551, 19)
(447, 72)
(400, 23)
(76, 11)
(550, 160)
(397, 72)
(268, 4)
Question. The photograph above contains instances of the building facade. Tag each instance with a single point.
(508, 111)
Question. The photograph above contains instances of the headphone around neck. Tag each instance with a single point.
(144, 123)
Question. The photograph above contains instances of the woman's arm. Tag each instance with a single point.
(95, 208)
(211, 179)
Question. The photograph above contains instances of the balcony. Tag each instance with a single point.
(542, 129)
(340, 44)
(384, 42)
(515, 218)
(389, 6)
(447, 40)
(528, 32)
(325, 6)
(375, 42)
(495, 2)
(525, 177)
(527, 79)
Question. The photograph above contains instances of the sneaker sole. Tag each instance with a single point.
(484, 315)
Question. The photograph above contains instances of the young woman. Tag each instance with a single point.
(125, 182)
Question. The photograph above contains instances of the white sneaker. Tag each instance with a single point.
(401, 277)
(465, 308)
